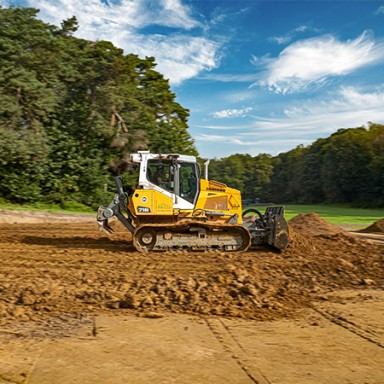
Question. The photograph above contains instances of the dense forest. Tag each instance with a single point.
(72, 110)
(345, 168)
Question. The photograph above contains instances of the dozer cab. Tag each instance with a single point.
(174, 208)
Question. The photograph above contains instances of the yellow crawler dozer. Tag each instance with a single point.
(174, 208)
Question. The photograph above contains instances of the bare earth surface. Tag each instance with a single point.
(77, 306)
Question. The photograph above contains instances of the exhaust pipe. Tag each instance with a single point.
(206, 169)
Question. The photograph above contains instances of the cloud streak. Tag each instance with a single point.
(305, 122)
(349, 108)
(127, 24)
(311, 62)
(290, 35)
(229, 113)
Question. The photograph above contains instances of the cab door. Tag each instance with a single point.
(188, 183)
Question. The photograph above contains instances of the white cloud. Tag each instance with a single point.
(349, 102)
(126, 13)
(302, 123)
(261, 61)
(290, 35)
(309, 63)
(350, 108)
(176, 14)
(230, 145)
(380, 10)
(178, 55)
(228, 113)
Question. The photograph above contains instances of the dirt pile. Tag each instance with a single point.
(312, 224)
(376, 227)
(56, 270)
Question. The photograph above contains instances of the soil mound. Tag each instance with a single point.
(299, 243)
(312, 224)
(376, 227)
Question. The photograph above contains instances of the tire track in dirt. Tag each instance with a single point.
(235, 350)
(350, 326)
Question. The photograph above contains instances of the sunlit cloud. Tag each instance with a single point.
(310, 63)
(179, 56)
(230, 113)
(125, 13)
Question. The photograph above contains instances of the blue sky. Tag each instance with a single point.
(257, 76)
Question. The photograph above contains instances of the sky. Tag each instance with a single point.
(256, 76)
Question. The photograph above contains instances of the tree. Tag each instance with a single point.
(87, 102)
(345, 172)
(376, 166)
(28, 77)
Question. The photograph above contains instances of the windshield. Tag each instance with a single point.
(180, 178)
(161, 173)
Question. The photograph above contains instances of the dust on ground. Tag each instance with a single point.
(56, 274)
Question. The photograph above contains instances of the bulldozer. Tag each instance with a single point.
(173, 207)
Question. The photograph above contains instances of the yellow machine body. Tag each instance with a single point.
(174, 207)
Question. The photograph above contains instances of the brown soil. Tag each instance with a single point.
(52, 269)
(65, 288)
(312, 224)
(376, 227)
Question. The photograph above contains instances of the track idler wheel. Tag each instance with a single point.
(144, 239)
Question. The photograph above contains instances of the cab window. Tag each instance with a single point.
(189, 177)
(160, 172)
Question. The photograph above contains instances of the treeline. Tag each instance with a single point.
(347, 168)
(71, 111)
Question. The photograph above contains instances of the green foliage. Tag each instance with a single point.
(47, 207)
(71, 111)
(347, 167)
(249, 174)
(23, 163)
(74, 206)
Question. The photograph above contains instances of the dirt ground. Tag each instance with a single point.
(78, 306)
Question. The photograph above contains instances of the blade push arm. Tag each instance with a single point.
(114, 209)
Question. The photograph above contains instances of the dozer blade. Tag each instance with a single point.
(279, 233)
